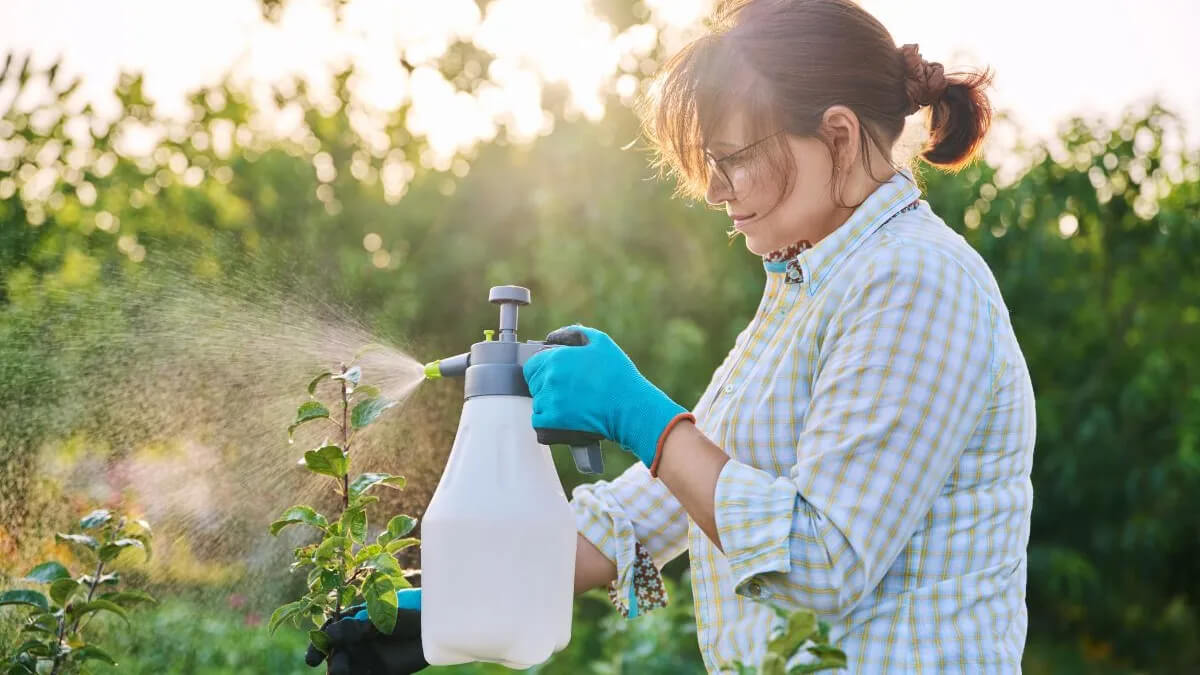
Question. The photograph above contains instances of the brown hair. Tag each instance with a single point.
(783, 63)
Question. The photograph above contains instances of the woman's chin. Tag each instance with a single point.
(758, 240)
(757, 244)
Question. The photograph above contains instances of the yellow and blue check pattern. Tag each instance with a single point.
(880, 419)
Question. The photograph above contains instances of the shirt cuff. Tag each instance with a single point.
(638, 587)
(645, 592)
(753, 511)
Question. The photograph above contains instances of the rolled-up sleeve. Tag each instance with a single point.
(639, 526)
(903, 378)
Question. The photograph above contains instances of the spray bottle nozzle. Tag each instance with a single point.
(432, 371)
(497, 370)
(451, 366)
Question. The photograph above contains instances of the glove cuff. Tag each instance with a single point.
(641, 419)
(662, 438)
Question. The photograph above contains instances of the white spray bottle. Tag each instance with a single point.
(498, 538)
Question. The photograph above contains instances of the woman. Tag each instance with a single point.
(865, 448)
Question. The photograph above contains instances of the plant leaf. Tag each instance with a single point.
(81, 539)
(92, 653)
(286, 612)
(129, 597)
(382, 604)
(355, 522)
(828, 656)
(384, 562)
(323, 579)
(369, 410)
(145, 539)
(772, 664)
(401, 525)
(24, 597)
(352, 375)
(112, 550)
(367, 390)
(41, 622)
(312, 386)
(328, 460)
(319, 640)
(348, 594)
(99, 605)
(401, 544)
(328, 548)
(95, 519)
(801, 626)
(48, 572)
(299, 514)
(366, 481)
(35, 647)
(366, 552)
(62, 590)
(106, 579)
(307, 412)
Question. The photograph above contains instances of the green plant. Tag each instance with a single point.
(801, 633)
(343, 568)
(202, 634)
(56, 624)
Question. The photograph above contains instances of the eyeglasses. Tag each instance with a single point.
(717, 168)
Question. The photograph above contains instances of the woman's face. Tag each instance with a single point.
(806, 211)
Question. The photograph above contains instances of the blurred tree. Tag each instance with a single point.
(1098, 255)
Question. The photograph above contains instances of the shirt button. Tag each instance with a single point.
(728, 389)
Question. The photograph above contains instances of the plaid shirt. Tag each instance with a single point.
(879, 417)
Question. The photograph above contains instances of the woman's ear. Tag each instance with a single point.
(840, 127)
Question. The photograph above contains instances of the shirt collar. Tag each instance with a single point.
(812, 263)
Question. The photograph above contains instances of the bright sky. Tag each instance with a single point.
(1052, 58)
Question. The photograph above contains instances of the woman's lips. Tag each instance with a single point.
(739, 222)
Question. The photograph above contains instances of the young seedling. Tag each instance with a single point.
(802, 633)
(343, 567)
(55, 624)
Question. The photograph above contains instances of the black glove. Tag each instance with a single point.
(357, 647)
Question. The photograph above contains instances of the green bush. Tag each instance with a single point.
(182, 637)
(188, 637)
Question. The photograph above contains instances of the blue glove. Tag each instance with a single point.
(596, 388)
(358, 648)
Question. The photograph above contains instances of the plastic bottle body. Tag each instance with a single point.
(497, 544)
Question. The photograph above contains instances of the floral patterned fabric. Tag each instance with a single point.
(648, 587)
(787, 258)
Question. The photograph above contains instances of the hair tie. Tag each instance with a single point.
(924, 81)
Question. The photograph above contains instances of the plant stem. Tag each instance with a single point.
(345, 490)
(62, 623)
(345, 444)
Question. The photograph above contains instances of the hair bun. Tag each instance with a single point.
(924, 81)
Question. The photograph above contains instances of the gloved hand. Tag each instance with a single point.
(596, 388)
(358, 648)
